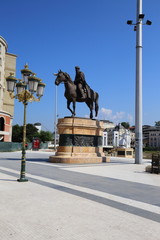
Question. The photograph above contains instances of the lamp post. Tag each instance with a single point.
(26, 88)
(138, 97)
(55, 122)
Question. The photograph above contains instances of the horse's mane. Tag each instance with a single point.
(68, 77)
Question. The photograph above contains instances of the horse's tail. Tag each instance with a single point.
(96, 103)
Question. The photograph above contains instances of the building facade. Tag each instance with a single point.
(116, 136)
(154, 137)
(108, 125)
(7, 65)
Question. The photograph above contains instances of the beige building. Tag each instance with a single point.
(154, 137)
(7, 65)
(116, 136)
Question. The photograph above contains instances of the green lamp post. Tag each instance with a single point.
(26, 88)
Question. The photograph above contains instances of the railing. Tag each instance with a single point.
(10, 146)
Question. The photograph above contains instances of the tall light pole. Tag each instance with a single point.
(26, 88)
(138, 95)
(138, 102)
(55, 120)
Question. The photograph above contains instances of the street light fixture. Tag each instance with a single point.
(148, 22)
(141, 16)
(130, 22)
(138, 102)
(12, 83)
(26, 88)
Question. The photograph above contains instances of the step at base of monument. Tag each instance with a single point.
(78, 160)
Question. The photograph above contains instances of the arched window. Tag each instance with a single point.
(1, 124)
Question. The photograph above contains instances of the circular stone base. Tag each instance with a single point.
(80, 141)
(78, 160)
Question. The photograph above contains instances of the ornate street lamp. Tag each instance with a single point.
(26, 88)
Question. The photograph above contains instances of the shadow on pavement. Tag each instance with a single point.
(8, 180)
(28, 160)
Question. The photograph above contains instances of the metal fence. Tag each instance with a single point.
(10, 146)
(14, 146)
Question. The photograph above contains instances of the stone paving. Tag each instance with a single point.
(49, 208)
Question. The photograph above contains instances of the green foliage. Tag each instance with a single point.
(31, 132)
(151, 149)
(125, 124)
(157, 124)
(45, 136)
(17, 133)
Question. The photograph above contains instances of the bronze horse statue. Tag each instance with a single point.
(72, 94)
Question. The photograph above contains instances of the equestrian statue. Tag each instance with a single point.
(78, 91)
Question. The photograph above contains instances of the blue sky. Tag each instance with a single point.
(59, 34)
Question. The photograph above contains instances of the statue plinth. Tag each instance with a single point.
(125, 152)
(80, 141)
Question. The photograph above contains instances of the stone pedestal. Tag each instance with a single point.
(125, 152)
(80, 141)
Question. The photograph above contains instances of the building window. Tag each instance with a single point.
(0, 61)
(1, 124)
(0, 48)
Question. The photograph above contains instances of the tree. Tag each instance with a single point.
(45, 136)
(31, 132)
(125, 124)
(157, 124)
(17, 133)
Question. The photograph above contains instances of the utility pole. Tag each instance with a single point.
(55, 120)
(138, 95)
(138, 103)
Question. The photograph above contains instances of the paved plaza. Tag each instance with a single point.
(112, 201)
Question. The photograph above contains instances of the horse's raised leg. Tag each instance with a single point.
(68, 106)
(96, 104)
(90, 105)
(91, 113)
(74, 108)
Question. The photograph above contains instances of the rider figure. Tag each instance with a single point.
(80, 81)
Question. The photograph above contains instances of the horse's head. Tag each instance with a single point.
(61, 77)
